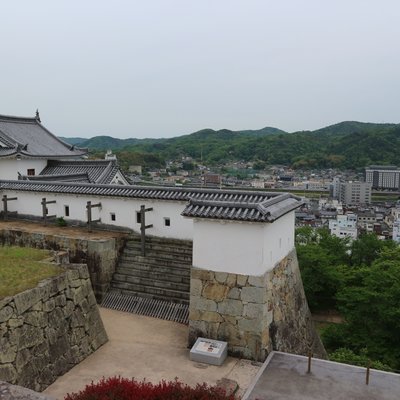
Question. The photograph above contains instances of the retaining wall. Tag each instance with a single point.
(254, 314)
(47, 330)
(101, 256)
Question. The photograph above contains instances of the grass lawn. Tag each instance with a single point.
(22, 268)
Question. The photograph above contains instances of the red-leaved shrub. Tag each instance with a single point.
(117, 388)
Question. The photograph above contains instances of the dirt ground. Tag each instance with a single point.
(68, 231)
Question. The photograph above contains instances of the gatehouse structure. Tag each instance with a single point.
(245, 285)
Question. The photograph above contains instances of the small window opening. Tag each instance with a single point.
(167, 222)
(66, 211)
(112, 215)
(31, 171)
(138, 217)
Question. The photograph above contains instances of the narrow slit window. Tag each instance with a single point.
(66, 211)
(167, 221)
(138, 217)
(112, 216)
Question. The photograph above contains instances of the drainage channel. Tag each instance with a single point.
(145, 306)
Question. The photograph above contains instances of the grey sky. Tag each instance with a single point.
(168, 67)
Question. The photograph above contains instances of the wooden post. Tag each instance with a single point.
(5, 200)
(89, 207)
(44, 209)
(309, 362)
(367, 375)
(89, 215)
(143, 228)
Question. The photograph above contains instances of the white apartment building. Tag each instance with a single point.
(344, 226)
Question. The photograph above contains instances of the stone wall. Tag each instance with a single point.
(12, 392)
(101, 256)
(47, 330)
(254, 314)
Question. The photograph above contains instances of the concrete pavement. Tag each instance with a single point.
(148, 348)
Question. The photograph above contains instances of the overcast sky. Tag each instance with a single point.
(168, 67)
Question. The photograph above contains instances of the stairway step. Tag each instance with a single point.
(164, 255)
(155, 261)
(165, 275)
(162, 241)
(161, 284)
(150, 291)
(157, 268)
(136, 246)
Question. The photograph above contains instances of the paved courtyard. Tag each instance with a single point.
(151, 349)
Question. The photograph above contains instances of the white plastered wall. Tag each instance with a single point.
(9, 168)
(124, 210)
(242, 247)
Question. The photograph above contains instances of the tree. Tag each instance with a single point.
(371, 310)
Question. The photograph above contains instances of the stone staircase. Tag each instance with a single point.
(163, 274)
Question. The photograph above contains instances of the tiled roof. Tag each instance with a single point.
(203, 203)
(265, 210)
(29, 138)
(99, 171)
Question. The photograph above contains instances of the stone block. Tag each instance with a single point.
(196, 287)
(255, 325)
(208, 316)
(28, 336)
(202, 274)
(8, 351)
(231, 307)
(241, 280)
(5, 313)
(215, 291)
(254, 310)
(258, 281)
(60, 300)
(220, 277)
(36, 318)
(231, 280)
(25, 300)
(49, 305)
(253, 294)
(8, 373)
(72, 275)
(201, 304)
(5, 301)
(234, 293)
(23, 358)
(15, 322)
(230, 333)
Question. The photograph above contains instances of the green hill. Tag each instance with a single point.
(348, 144)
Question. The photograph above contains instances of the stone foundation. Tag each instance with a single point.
(47, 330)
(254, 314)
(101, 256)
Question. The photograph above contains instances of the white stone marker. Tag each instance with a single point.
(209, 351)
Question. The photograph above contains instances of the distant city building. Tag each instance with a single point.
(212, 179)
(258, 183)
(334, 189)
(396, 231)
(135, 169)
(344, 226)
(355, 193)
(383, 176)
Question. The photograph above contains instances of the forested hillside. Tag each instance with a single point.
(345, 145)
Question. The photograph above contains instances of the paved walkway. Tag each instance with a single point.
(150, 348)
